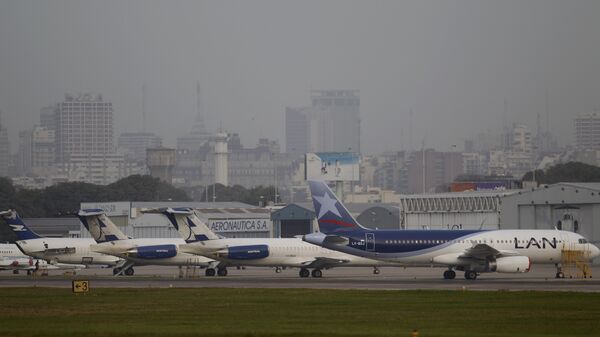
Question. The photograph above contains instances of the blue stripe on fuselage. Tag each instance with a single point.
(404, 243)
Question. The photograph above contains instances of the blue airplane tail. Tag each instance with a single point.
(18, 226)
(331, 214)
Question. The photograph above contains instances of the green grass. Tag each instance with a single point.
(295, 312)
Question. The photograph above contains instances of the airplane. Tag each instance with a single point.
(11, 258)
(109, 239)
(471, 251)
(264, 252)
(54, 250)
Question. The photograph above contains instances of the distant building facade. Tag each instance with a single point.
(84, 125)
(587, 130)
(135, 144)
(330, 124)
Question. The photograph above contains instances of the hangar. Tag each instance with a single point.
(570, 206)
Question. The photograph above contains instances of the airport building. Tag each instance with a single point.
(230, 219)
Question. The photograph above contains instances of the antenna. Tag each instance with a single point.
(144, 107)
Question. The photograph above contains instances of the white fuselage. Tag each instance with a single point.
(282, 252)
(125, 249)
(66, 250)
(422, 248)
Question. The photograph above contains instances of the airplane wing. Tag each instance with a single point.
(324, 263)
(483, 251)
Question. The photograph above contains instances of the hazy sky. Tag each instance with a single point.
(454, 63)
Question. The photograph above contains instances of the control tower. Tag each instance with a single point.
(221, 169)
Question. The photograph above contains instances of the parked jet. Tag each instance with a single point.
(11, 258)
(54, 250)
(154, 251)
(265, 252)
(472, 251)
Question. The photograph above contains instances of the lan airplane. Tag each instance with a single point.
(110, 240)
(54, 250)
(263, 252)
(472, 251)
(11, 258)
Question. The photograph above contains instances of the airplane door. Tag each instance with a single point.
(370, 241)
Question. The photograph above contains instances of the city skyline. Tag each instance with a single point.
(427, 71)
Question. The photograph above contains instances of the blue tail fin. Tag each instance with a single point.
(18, 226)
(187, 223)
(331, 213)
(100, 226)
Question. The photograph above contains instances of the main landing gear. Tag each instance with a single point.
(306, 273)
(559, 271)
(376, 271)
(449, 274)
(215, 271)
(129, 271)
(470, 275)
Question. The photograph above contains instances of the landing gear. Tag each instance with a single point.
(470, 275)
(317, 273)
(304, 272)
(129, 271)
(278, 270)
(559, 272)
(15, 272)
(116, 271)
(376, 271)
(210, 272)
(450, 274)
(222, 271)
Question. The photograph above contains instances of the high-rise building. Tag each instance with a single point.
(48, 117)
(587, 130)
(335, 121)
(522, 140)
(84, 125)
(429, 169)
(296, 131)
(135, 144)
(36, 151)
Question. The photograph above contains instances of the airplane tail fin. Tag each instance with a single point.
(331, 214)
(18, 226)
(187, 223)
(100, 226)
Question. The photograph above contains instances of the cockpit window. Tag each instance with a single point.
(582, 241)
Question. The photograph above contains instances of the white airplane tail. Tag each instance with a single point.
(100, 226)
(187, 223)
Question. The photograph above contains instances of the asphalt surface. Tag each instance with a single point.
(541, 278)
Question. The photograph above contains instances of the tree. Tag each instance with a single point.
(567, 172)
(65, 198)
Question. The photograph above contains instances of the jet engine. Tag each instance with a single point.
(251, 252)
(153, 252)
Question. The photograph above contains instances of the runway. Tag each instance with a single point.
(539, 279)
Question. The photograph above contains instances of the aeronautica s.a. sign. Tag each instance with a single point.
(240, 225)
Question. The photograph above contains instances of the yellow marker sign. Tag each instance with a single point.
(81, 286)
